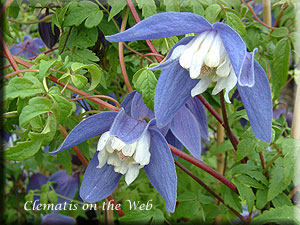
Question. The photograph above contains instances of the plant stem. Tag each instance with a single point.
(97, 96)
(121, 53)
(204, 167)
(137, 20)
(45, 19)
(283, 8)
(267, 12)
(5, 6)
(18, 71)
(296, 116)
(263, 164)
(209, 190)
(293, 192)
(269, 164)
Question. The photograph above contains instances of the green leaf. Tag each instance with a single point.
(171, 5)
(81, 37)
(52, 196)
(188, 209)
(148, 7)
(158, 217)
(24, 150)
(280, 32)
(79, 81)
(187, 196)
(261, 198)
(291, 151)
(49, 129)
(136, 217)
(64, 158)
(36, 106)
(281, 215)
(235, 22)
(44, 68)
(116, 7)
(212, 12)
(82, 55)
(82, 10)
(22, 87)
(246, 193)
(95, 72)
(250, 182)
(197, 7)
(145, 82)
(281, 200)
(280, 63)
(63, 106)
(231, 198)
(277, 184)
(251, 171)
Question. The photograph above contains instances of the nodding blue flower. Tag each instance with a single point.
(54, 218)
(128, 143)
(28, 48)
(216, 54)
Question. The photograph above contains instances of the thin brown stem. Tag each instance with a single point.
(121, 54)
(5, 6)
(98, 96)
(17, 72)
(293, 192)
(283, 8)
(263, 164)
(209, 190)
(148, 54)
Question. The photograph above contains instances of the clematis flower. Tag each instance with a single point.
(54, 218)
(217, 54)
(128, 143)
(28, 48)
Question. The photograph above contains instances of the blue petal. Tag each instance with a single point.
(247, 75)
(257, 101)
(139, 109)
(86, 129)
(172, 140)
(198, 110)
(234, 45)
(161, 169)
(98, 183)
(65, 185)
(16, 50)
(36, 181)
(54, 218)
(172, 91)
(163, 25)
(168, 61)
(38, 43)
(126, 104)
(126, 128)
(185, 128)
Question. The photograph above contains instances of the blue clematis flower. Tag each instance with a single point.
(128, 143)
(28, 48)
(217, 54)
(53, 218)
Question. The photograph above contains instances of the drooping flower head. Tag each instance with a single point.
(128, 143)
(217, 54)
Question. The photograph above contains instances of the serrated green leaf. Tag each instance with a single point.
(261, 198)
(280, 32)
(197, 7)
(44, 198)
(188, 209)
(281, 200)
(82, 55)
(23, 150)
(277, 184)
(245, 192)
(235, 22)
(171, 5)
(49, 129)
(231, 198)
(22, 87)
(136, 217)
(79, 81)
(36, 106)
(158, 217)
(82, 10)
(247, 180)
(187, 196)
(65, 159)
(145, 82)
(280, 61)
(116, 7)
(148, 7)
(281, 215)
(52, 196)
(63, 106)
(212, 12)
(44, 67)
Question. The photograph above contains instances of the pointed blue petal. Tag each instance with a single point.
(168, 61)
(185, 128)
(54, 218)
(172, 91)
(247, 75)
(126, 128)
(162, 25)
(172, 140)
(257, 101)
(198, 110)
(65, 185)
(98, 183)
(161, 169)
(36, 181)
(139, 109)
(126, 104)
(234, 45)
(88, 128)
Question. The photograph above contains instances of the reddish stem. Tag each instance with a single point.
(204, 167)
(5, 6)
(18, 71)
(137, 20)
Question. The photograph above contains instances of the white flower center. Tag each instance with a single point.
(127, 159)
(206, 58)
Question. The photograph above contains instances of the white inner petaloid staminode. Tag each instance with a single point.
(206, 58)
(127, 159)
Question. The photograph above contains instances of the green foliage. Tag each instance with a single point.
(148, 7)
